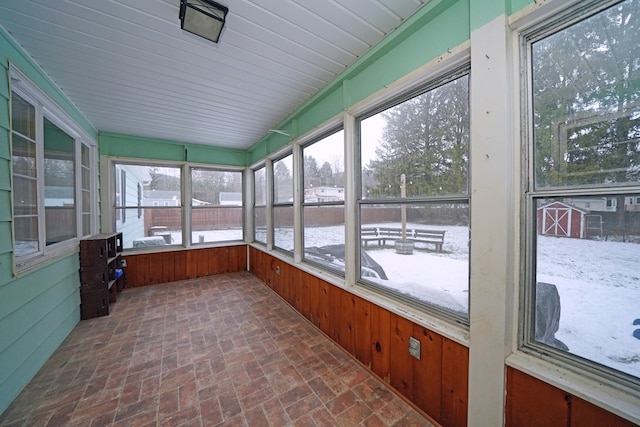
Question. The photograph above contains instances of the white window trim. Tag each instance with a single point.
(45, 107)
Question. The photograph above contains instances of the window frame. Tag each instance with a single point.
(275, 204)
(192, 208)
(45, 108)
(531, 193)
(447, 75)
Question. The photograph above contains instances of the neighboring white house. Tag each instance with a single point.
(130, 183)
(632, 203)
(602, 204)
(161, 198)
(607, 204)
(227, 198)
(323, 194)
(167, 198)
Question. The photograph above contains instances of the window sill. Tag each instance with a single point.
(174, 248)
(32, 263)
(615, 398)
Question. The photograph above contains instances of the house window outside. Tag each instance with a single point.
(414, 201)
(323, 202)
(283, 203)
(260, 205)
(216, 205)
(51, 207)
(583, 239)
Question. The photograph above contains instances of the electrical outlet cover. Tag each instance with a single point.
(414, 347)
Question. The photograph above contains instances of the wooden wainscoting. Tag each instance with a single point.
(378, 338)
(531, 402)
(164, 267)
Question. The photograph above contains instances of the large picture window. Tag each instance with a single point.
(584, 222)
(160, 222)
(414, 201)
(51, 177)
(323, 202)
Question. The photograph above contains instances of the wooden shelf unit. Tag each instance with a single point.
(100, 260)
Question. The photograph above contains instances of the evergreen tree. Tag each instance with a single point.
(586, 90)
(427, 139)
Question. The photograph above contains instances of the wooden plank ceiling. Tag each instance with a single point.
(130, 69)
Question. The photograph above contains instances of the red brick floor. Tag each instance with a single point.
(220, 350)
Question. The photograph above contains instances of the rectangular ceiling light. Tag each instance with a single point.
(204, 18)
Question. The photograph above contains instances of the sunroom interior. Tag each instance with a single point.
(447, 190)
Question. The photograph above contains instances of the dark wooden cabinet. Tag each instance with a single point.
(101, 275)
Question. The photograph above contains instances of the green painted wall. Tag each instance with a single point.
(117, 145)
(41, 307)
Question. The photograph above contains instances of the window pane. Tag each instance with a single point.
(23, 117)
(260, 181)
(425, 138)
(260, 224)
(216, 213)
(324, 236)
(436, 269)
(23, 156)
(283, 180)
(323, 169)
(283, 227)
(216, 224)
(586, 117)
(587, 292)
(26, 229)
(59, 184)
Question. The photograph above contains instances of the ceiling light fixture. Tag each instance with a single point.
(204, 18)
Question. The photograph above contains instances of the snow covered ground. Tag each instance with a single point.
(598, 283)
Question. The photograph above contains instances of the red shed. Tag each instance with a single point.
(562, 220)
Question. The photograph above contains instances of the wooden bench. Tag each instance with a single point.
(369, 234)
(380, 235)
(393, 234)
(435, 237)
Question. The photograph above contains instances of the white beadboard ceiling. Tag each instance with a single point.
(130, 69)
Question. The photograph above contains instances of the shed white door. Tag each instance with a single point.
(556, 222)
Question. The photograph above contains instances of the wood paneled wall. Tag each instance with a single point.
(164, 267)
(437, 383)
(531, 402)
